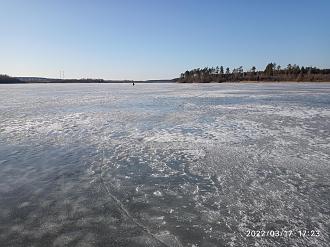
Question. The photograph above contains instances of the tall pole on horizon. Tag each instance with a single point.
(61, 74)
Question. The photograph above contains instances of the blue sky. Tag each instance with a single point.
(154, 39)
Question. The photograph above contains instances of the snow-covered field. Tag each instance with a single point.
(164, 164)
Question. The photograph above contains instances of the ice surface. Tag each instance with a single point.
(164, 164)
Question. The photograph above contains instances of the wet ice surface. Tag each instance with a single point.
(164, 164)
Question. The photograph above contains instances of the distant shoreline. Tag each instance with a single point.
(159, 82)
(4, 79)
(272, 73)
(244, 77)
(256, 82)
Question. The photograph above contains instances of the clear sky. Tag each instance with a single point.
(153, 39)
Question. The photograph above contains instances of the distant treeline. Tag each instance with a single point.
(77, 81)
(272, 72)
(7, 79)
(4, 79)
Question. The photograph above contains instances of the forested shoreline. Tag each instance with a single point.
(272, 73)
(5, 79)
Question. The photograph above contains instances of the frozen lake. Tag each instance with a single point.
(164, 164)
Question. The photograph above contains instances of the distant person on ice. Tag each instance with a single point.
(133, 83)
